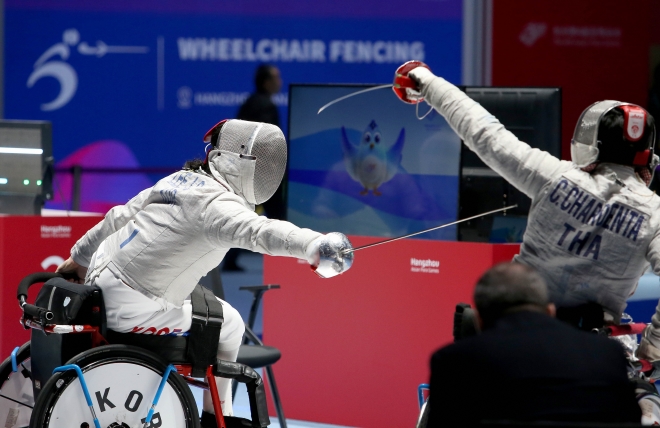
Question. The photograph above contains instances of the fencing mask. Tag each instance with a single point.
(251, 156)
(628, 140)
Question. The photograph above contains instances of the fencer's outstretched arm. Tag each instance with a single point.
(526, 168)
(232, 224)
(116, 218)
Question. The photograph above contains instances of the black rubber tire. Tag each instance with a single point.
(6, 371)
(106, 355)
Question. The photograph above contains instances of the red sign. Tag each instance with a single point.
(31, 244)
(355, 347)
(594, 50)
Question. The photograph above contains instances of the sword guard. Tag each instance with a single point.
(404, 87)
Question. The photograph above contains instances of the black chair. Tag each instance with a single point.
(259, 355)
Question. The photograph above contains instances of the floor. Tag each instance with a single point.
(242, 300)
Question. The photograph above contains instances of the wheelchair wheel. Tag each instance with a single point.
(423, 419)
(16, 395)
(122, 382)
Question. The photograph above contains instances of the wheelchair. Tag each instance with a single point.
(75, 373)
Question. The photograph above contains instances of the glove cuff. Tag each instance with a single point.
(423, 76)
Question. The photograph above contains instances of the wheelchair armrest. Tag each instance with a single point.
(255, 388)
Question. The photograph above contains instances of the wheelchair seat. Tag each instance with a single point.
(258, 356)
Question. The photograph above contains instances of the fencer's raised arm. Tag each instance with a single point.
(114, 219)
(526, 168)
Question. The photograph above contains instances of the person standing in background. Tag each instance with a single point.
(259, 107)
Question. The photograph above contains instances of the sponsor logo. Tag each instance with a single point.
(294, 50)
(587, 36)
(51, 261)
(187, 98)
(572, 35)
(55, 231)
(184, 97)
(636, 123)
(532, 32)
(424, 265)
(164, 331)
(62, 71)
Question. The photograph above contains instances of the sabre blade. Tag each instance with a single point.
(352, 94)
(429, 230)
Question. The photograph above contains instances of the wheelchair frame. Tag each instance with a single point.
(36, 318)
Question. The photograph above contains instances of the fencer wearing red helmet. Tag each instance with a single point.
(594, 225)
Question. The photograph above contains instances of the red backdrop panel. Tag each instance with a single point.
(355, 347)
(594, 50)
(30, 244)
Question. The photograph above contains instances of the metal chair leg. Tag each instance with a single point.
(276, 396)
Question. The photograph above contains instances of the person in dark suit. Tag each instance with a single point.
(526, 365)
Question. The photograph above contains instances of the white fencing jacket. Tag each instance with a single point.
(590, 235)
(170, 235)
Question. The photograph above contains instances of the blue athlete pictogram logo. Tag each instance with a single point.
(63, 72)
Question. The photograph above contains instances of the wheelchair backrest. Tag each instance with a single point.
(71, 304)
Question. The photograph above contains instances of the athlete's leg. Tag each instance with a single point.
(129, 310)
(231, 337)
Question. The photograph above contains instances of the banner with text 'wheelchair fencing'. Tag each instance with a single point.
(155, 76)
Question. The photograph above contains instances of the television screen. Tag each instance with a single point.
(368, 166)
(534, 116)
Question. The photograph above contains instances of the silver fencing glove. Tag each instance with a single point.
(328, 254)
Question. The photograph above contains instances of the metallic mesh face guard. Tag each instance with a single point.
(263, 144)
(584, 145)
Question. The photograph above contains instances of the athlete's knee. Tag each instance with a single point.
(233, 328)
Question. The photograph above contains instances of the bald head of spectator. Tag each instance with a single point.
(508, 288)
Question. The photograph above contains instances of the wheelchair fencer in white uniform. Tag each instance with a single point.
(138, 380)
(147, 255)
(594, 225)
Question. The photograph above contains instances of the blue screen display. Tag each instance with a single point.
(368, 166)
